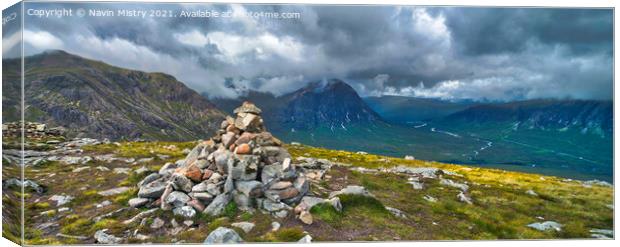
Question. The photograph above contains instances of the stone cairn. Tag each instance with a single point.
(242, 163)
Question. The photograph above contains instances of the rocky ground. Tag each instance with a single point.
(91, 191)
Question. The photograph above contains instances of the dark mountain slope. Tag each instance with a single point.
(332, 104)
(93, 99)
(583, 115)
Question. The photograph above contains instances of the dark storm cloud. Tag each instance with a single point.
(451, 53)
(484, 31)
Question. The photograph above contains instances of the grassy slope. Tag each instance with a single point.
(501, 208)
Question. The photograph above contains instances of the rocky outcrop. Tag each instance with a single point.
(31, 130)
(243, 163)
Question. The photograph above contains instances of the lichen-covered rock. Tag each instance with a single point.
(152, 190)
(223, 235)
(217, 205)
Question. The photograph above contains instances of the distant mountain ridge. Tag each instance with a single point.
(329, 103)
(585, 115)
(94, 99)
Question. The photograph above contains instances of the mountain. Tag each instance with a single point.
(94, 99)
(586, 116)
(407, 110)
(329, 103)
(540, 136)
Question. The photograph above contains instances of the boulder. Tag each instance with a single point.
(245, 226)
(201, 187)
(228, 139)
(246, 168)
(138, 202)
(306, 217)
(149, 178)
(177, 199)
(223, 235)
(448, 182)
(185, 211)
(547, 225)
(193, 173)
(103, 238)
(351, 189)
(152, 190)
(243, 149)
(217, 205)
(180, 182)
(207, 174)
(250, 188)
(305, 240)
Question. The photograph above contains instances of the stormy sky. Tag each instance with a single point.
(453, 53)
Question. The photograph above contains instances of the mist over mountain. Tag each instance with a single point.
(93, 99)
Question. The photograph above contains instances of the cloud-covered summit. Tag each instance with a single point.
(451, 53)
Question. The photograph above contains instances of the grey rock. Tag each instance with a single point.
(396, 212)
(245, 226)
(351, 189)
(335, 202)
(223, 235)
(149, 178)
(602, 233)
(228, 139)
(138, 202)
(249, 188)
(430, 198)
(141, 170)
(273, 206)
(217, 205)
(180, 182)
(280, 214)
(200, 187)
(243, 202)
(152, 190)
(114, 191)
(81, 169)
(531, 193)
(121, 170)
(425, 172)
(221, 158)
(27, 183)
(246, 168)
(177, 199)
(305, 240)
(103, 238)
(167, 169)
(463, 187)
(202, 196)
(271, 172)
(214, 189)
(157, 223)
(547, 225)
(275, 226)
(61, 199)
(464, 198)
(185, 211)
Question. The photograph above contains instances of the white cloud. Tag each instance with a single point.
(192, 38)
(235, 48)
(42, 40)
(11, 41)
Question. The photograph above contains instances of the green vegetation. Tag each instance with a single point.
(501, 207)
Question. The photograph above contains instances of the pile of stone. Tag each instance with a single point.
(31, 130)
(243, 163)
